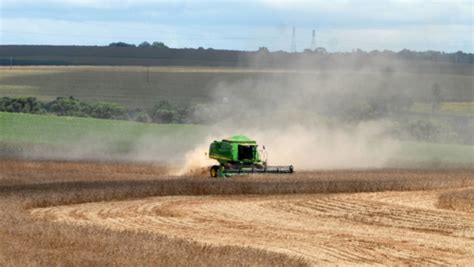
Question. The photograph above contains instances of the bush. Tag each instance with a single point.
(105, 110)
(165, 112)
(70, 106)
(427, 131)
(203, 114)
(139, 115)
(365, 110)
(21, 105)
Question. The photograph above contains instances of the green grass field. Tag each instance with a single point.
(167, 140)
(450, 108)
(95, 135)
(45, 129)
(437, 155)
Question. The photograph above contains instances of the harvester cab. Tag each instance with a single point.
(240, 155)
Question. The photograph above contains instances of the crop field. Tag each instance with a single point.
(131, 86)
(100, 211)
(137, 214)
(144, 87)
(320, 229)
(95, 192)
(461, 200)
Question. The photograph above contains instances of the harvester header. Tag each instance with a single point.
(240, 155)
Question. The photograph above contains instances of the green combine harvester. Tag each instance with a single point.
(239, 155)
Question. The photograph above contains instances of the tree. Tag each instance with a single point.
(263, 49)
(21, 104)
(121, 44)
(159, 45)
(144, 44)
(106, 110)
(164, 112)
(139, 115)
(70, 106)
(321, 50)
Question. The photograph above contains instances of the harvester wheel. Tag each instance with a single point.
(214, 171)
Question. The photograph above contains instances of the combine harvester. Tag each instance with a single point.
(239, 155)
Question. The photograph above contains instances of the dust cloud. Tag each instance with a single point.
(311, 119)
(296, 115)
(196, 160)
(310, 148)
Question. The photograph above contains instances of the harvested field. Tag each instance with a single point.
(461, 200)
(30, 242)
(364, 228)
(136, 214)
(21, 172)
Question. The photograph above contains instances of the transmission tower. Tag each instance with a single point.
(313, 41)
(293, 41)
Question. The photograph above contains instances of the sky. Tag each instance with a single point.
(340, 25)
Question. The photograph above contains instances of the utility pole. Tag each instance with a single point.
(293, 41)
(313, 41)
(11, 62)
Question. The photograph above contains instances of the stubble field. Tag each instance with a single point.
(122, 214)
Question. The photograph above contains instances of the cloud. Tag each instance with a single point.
(82, 3)
(340, 25)
(394, 12)
(92, 32)
(95, 32)
(424, 37)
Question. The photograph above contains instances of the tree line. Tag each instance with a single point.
(407, 125)
(457, 57)
(159, 54)
(142, 44)
(162, 112)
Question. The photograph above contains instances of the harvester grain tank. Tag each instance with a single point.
(240, 155)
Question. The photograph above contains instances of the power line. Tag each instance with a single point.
(293, 41)
(107, 37)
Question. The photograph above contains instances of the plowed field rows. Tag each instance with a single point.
(357, 228)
